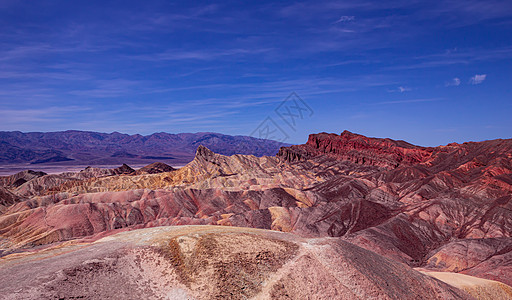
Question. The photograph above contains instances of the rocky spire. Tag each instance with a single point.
(204, 153)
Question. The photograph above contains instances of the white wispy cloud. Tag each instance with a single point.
(455, 57)
(477, 79)
(38, 115)
(400, 89)
(454, 82)
(203, 54)
(107, 88)
(408, 101)
(344, 19)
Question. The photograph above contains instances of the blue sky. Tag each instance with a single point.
(429, 72)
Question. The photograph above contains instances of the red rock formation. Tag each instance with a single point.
(358, 149)
(433, 197)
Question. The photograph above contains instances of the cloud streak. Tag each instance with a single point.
(477, 79)
(209, 54)
(454, 82)
(344, 19)
(408, 101)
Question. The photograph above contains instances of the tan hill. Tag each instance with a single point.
(213, 262)
(476, 287)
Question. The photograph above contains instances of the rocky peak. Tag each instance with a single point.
(20, 178)
(204, 153)
(124, 169)
(155, 168)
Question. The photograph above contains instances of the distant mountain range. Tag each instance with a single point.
(95, 148)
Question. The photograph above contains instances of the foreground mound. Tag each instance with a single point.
(213, 262)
